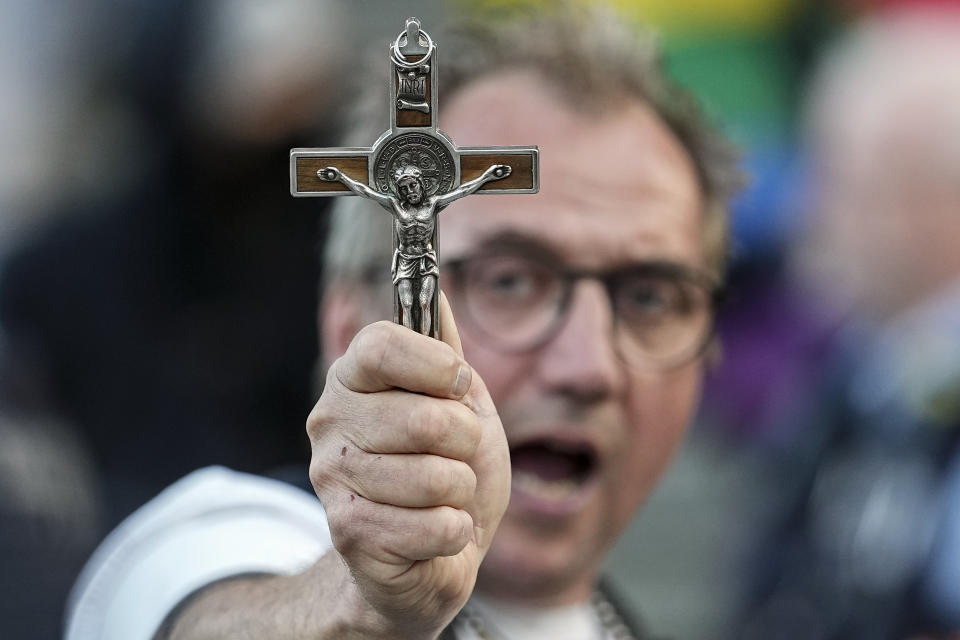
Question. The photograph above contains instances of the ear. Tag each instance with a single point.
(339, 319)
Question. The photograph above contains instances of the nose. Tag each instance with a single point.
(580, 360)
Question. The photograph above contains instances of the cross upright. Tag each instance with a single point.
(414, 171)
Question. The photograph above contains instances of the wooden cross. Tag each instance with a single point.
(414, 170)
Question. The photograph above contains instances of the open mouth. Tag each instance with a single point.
(551, 470)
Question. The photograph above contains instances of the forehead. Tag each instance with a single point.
(615, 186)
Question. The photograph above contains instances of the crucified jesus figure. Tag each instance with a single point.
(415, 215)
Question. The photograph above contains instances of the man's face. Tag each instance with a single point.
(589, 436)
(410, 190)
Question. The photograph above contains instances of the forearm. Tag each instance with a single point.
(322, 602)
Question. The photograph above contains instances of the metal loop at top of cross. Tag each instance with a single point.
(414, 171)
(412, 46)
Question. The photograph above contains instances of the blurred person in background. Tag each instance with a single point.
(626, 242)
(157, 282)
(49, 497)
(867, 545)
(168, 314)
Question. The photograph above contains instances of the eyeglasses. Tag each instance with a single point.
(663, 313)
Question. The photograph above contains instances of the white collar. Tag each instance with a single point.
(507, 621)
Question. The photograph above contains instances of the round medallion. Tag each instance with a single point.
(424, 152)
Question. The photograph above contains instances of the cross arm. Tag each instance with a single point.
(353, 162)
(523, 161)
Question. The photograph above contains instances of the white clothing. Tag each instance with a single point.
(216, 523)
(502, 620)
(209, 525)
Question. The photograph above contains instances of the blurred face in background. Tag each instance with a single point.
(885, 129)
(264, 69)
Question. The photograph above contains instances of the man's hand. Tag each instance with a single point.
(412, 466)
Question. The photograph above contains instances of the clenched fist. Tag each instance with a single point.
(412, 467)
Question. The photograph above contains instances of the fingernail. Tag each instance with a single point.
(462, 385)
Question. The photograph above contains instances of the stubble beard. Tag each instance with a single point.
(573, 552)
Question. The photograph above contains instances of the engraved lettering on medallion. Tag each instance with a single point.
(432, 159)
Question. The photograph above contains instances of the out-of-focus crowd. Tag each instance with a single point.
(158, 289)
(158, 282)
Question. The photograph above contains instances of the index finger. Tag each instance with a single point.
(385, 355)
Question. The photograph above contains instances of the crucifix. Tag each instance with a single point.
(414, 171)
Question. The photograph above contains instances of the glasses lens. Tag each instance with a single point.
(512, 299)
(661, 319)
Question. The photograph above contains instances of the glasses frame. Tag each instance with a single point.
(570, 277)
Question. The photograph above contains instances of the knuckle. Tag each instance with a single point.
(448, 593)
(449, 482)
(470, 430)
(444, 427)
(452, 532)
(428, 425)
(331, 469)
(370, 346)
(346, 538)
(351, 529)
(453, 366)
(468, 481)
(320, 474)
(464, 484)
(333, 374)
(438, 481)
(319, 419)
(447, 363)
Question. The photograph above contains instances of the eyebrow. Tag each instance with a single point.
(514, 243)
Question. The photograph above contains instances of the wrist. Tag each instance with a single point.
(359, 620)
(353, 616)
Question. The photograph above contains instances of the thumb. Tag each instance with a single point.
(448, 326)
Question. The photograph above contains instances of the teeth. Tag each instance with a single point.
(545, 489)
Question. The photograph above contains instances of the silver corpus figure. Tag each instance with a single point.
(415, 213)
